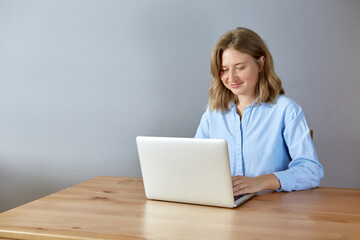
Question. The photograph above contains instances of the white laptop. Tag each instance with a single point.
(187, 170)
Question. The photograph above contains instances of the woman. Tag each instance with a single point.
(270, 147)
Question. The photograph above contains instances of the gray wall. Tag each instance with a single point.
(79, 80)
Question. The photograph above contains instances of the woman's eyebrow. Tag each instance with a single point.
(239, 63)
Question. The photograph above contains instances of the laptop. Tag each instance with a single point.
(187, 170)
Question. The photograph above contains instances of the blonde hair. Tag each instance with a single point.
(244, 40)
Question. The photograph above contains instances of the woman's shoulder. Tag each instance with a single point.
(218, 113)
(286, 102)
(288, 107)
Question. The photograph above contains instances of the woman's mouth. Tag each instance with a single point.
(235, 85)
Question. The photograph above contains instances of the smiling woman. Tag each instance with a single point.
(269, 142)
(241, 47)
(240, 74)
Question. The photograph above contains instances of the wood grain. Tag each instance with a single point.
(116, 208)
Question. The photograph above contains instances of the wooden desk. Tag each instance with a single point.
(116, 208)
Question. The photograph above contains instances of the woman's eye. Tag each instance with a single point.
(224, 70)
(240, 68)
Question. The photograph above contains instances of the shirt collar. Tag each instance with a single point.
(232, 106)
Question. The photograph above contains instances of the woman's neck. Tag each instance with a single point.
(244, 101)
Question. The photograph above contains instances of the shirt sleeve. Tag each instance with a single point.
(203, 128)
(304, 170)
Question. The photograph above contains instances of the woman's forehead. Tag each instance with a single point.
(233, 56)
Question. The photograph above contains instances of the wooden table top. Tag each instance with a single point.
(116, 208)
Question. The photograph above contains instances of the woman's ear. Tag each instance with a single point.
(261, 62)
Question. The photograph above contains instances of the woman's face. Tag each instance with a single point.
(240, 72)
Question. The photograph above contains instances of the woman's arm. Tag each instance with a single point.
(203, 128)
(304, 170)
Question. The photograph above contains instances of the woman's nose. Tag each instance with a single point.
(232, 76)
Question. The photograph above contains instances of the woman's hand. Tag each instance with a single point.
(243, 185)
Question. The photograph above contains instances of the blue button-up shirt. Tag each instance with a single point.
(270, 138)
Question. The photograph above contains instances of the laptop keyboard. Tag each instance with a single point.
(237, 197)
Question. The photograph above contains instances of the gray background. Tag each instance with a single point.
(79, 80)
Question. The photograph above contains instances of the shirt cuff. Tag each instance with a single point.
(286, 179)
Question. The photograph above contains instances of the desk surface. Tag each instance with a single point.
(116, 208)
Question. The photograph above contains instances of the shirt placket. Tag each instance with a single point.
(243, 126)
(238, 169)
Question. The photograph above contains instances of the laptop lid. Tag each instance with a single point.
(187, 170)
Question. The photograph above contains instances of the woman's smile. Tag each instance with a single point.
(236, 85)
